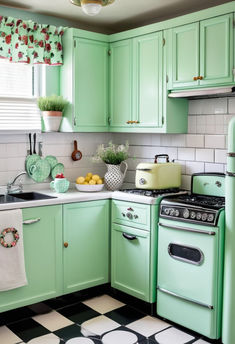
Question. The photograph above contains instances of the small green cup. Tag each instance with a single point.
(60, 185)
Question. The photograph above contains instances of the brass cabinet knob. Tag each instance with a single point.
(136, 122)
(128, 122)
(195, 78)
(66, 244)
(200, 77)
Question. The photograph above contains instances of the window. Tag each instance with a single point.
(18, 97)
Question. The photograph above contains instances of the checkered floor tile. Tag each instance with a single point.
(98, 320)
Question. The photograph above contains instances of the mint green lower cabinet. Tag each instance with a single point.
(86, 231)
(130, 261)
(43, 259)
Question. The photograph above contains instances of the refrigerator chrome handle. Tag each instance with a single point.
(185, 298)
(230, 174)
(231, 154)
(187, 229)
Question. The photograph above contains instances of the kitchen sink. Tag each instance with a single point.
(9, 199)
(29, 196)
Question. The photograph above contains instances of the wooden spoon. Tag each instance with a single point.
(77, 154)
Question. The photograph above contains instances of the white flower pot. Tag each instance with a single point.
(51, 120)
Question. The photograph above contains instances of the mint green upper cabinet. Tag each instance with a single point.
(86, 231)
(136, 83)
(121, 73)
(84, 82)
(147, 77)
(216, 48)
(43, 258)
(185, 54)
(201, 54)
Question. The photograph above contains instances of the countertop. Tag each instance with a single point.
(72, 196)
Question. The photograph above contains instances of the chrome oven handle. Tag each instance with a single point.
(187, 229)
(185, 298)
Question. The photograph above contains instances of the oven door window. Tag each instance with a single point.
(185, 253)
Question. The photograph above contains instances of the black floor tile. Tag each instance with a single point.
(78, 313)
(125, 315)
(69, 332)
(28, 329)
(63, 301)
(15, 315)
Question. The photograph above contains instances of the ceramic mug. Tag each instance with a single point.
(60, 185)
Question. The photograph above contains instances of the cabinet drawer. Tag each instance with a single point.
(131, 214)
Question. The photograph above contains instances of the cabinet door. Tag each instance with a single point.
(90, 85)
(121, 83)
(216, 50)
(43, 258)
(130, 263)
(86, 258)
(147, 83)
(185, 55)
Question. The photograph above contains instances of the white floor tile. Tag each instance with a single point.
(172, 335)
(52, 321)
(98, 326)
(103, 304)
(117, 337)
(147, 326)
(201, 341)
(47, 339)
(7, 336)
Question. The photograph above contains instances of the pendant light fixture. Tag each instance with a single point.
(91, 7)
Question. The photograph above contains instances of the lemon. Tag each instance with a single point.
(85, 183)
(80, 180)
(89, 175)
(87, 178)
(92, 182)
(95, 177)
(99, 181)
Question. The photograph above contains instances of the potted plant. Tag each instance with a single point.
(114, 157)
(52, 108)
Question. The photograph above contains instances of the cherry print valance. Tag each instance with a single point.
(29, 42)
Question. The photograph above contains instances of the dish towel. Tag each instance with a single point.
(12, 267)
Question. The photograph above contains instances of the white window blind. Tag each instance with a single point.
(18, 104)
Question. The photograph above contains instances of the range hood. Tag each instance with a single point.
(204, 92)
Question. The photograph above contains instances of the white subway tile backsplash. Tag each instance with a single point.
(194, 167)
(211, 167)
(194, 140)
(192, 124)
(221, 156)
(231, 105)
(215, 141)
(206, 155)
(186, 154)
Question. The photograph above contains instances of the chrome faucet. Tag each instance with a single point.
(11, 188)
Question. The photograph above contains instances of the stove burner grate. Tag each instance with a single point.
(151, 193)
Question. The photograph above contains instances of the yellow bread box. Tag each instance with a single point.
(158, 175)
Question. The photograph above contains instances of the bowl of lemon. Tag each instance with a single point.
(89, 183)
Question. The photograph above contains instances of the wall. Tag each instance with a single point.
(203, 149)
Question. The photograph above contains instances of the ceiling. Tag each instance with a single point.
(119, 16)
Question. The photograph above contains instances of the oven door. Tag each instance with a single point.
(188, 275)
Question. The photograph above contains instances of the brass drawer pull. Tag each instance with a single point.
(66, 244)
(200, 77)
(128, 122)
(195, 78)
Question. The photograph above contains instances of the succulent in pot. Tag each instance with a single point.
(52, 110)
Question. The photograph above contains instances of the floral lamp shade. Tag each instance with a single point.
(29, 42)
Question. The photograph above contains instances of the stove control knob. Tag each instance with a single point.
(204, 216)
(142, 181)
(210, 218)
(172, 212)
(186, 213)
(199, 216)
(192, 215)
(167, 211)
(177, 213)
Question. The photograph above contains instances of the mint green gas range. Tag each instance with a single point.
(190, 256)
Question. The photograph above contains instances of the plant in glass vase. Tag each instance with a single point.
(114, 157)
